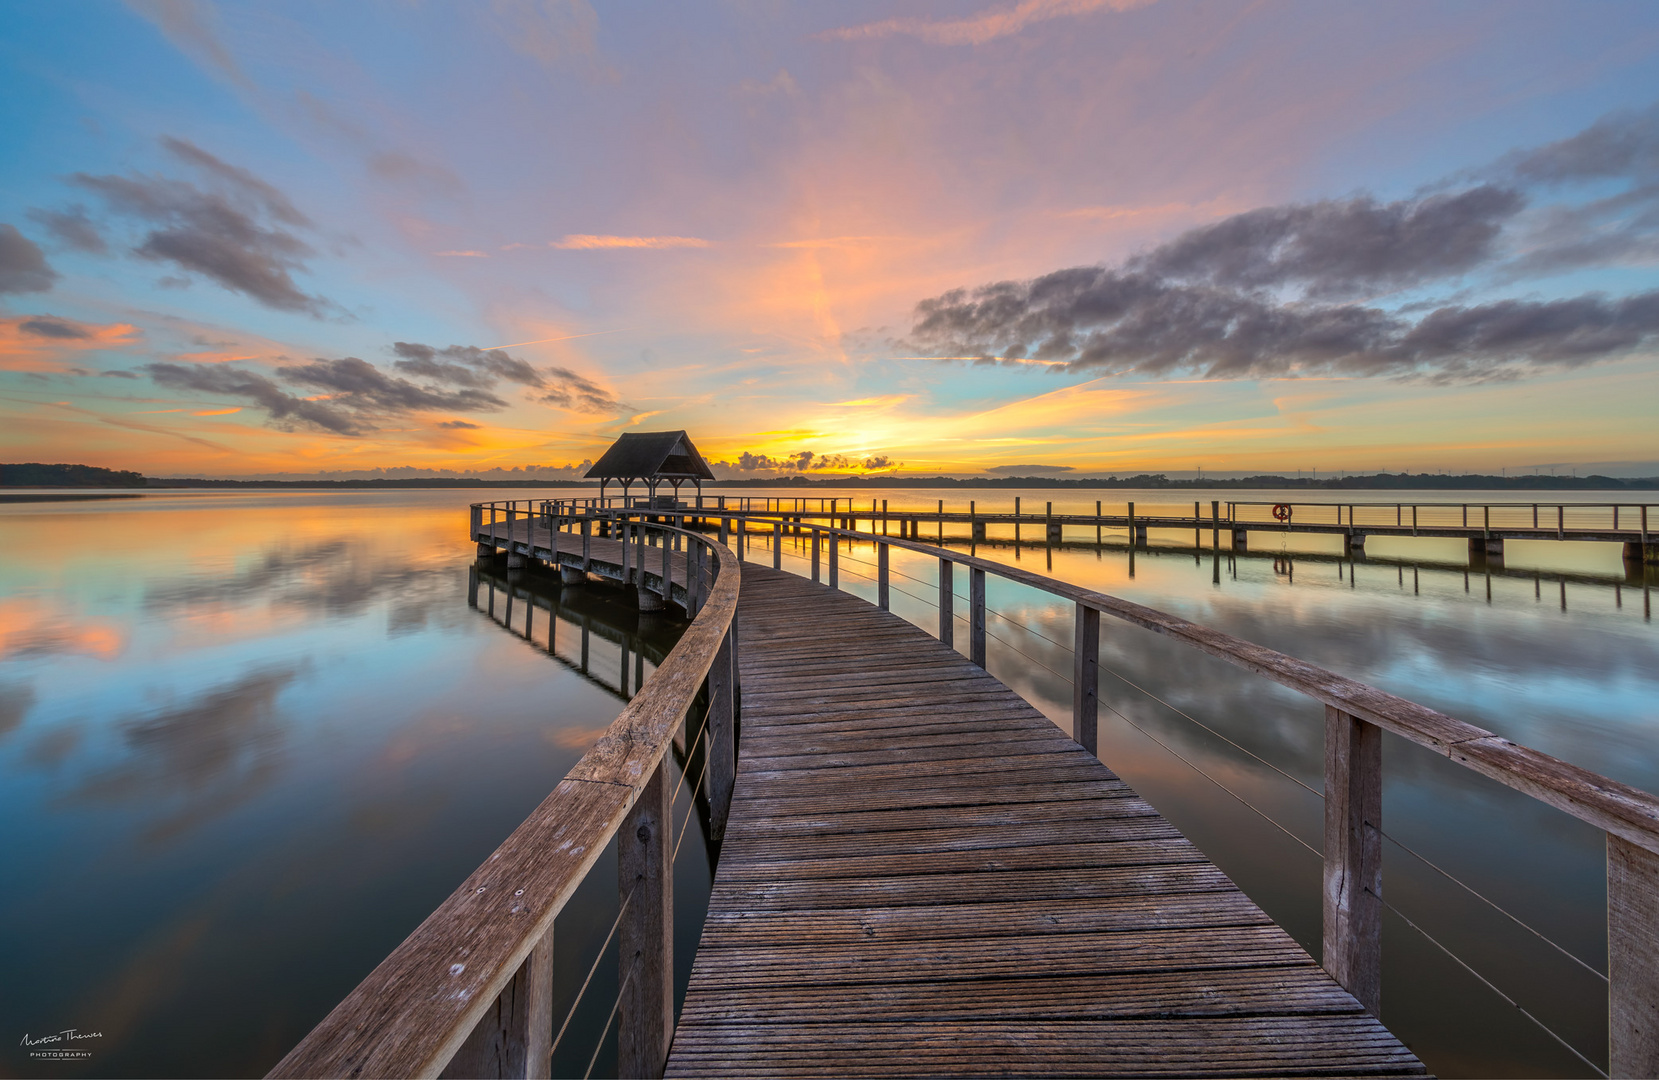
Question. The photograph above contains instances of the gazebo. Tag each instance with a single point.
(651, 457)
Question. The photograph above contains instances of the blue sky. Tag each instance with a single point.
(723, 217)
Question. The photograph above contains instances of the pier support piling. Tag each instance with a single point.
(1241, 540)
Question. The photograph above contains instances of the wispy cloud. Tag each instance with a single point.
(239, 231)
(977, 29)
(591, 242)
(461, 254)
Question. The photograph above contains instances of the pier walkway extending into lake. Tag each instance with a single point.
(919, 872)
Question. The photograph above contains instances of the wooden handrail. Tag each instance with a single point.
(418, 1007)
(1609, 805)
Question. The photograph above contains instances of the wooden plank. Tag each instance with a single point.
(1163, 995)
(862, 926)
(1298, 1045)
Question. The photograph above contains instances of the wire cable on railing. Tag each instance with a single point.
(1241, 799)
(691, 811)
(595, 967)
(1494, 906)
(611, 1019)
(1545, 1028)
(690, 745)
(1028, 656)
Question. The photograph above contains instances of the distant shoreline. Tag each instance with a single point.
(37, 476)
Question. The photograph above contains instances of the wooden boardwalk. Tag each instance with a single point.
(921, 874)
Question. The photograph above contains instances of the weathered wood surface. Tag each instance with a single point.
(1633, 958)
(922, 875)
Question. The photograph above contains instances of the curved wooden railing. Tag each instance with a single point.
(1355, 716)
(469, 992)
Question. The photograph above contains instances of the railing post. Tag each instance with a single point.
(645, 869)
(777, 545)
(667, 569)
(976, 615)
(1353, 856)
(815, 555)
(717, 745)
(1632, 959)
(834, 561)
(947, 600)
(881, 576)
(1215, 524)
(587, 545)
(477, 521)
(515, 1038)
(1085, 682)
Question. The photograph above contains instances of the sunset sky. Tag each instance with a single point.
(1096, 236)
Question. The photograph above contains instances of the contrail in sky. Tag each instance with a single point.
(545, 340)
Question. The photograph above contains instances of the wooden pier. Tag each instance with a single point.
(1485, 526)
(919, 873)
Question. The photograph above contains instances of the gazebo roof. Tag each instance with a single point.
(651, 455)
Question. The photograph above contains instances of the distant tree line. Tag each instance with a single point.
(1376, 481)
(35, 474)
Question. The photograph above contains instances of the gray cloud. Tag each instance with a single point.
(50, 326)
(568, 390)
(1341, 247)
(274, 202)
(1029, 470)
(356, 395)
(23, 266)
(457, 425)
(1100, 319)
(364, 388)
(470, 366)
(1622, 144)
(285, 409)
(1288, 290)
(1615, 228)
(236, 232)
(73, 229)
(464, 365)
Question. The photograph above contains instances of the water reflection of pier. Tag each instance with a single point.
(1225, 564)
(643, 641)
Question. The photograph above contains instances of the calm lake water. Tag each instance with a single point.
(249, 740)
